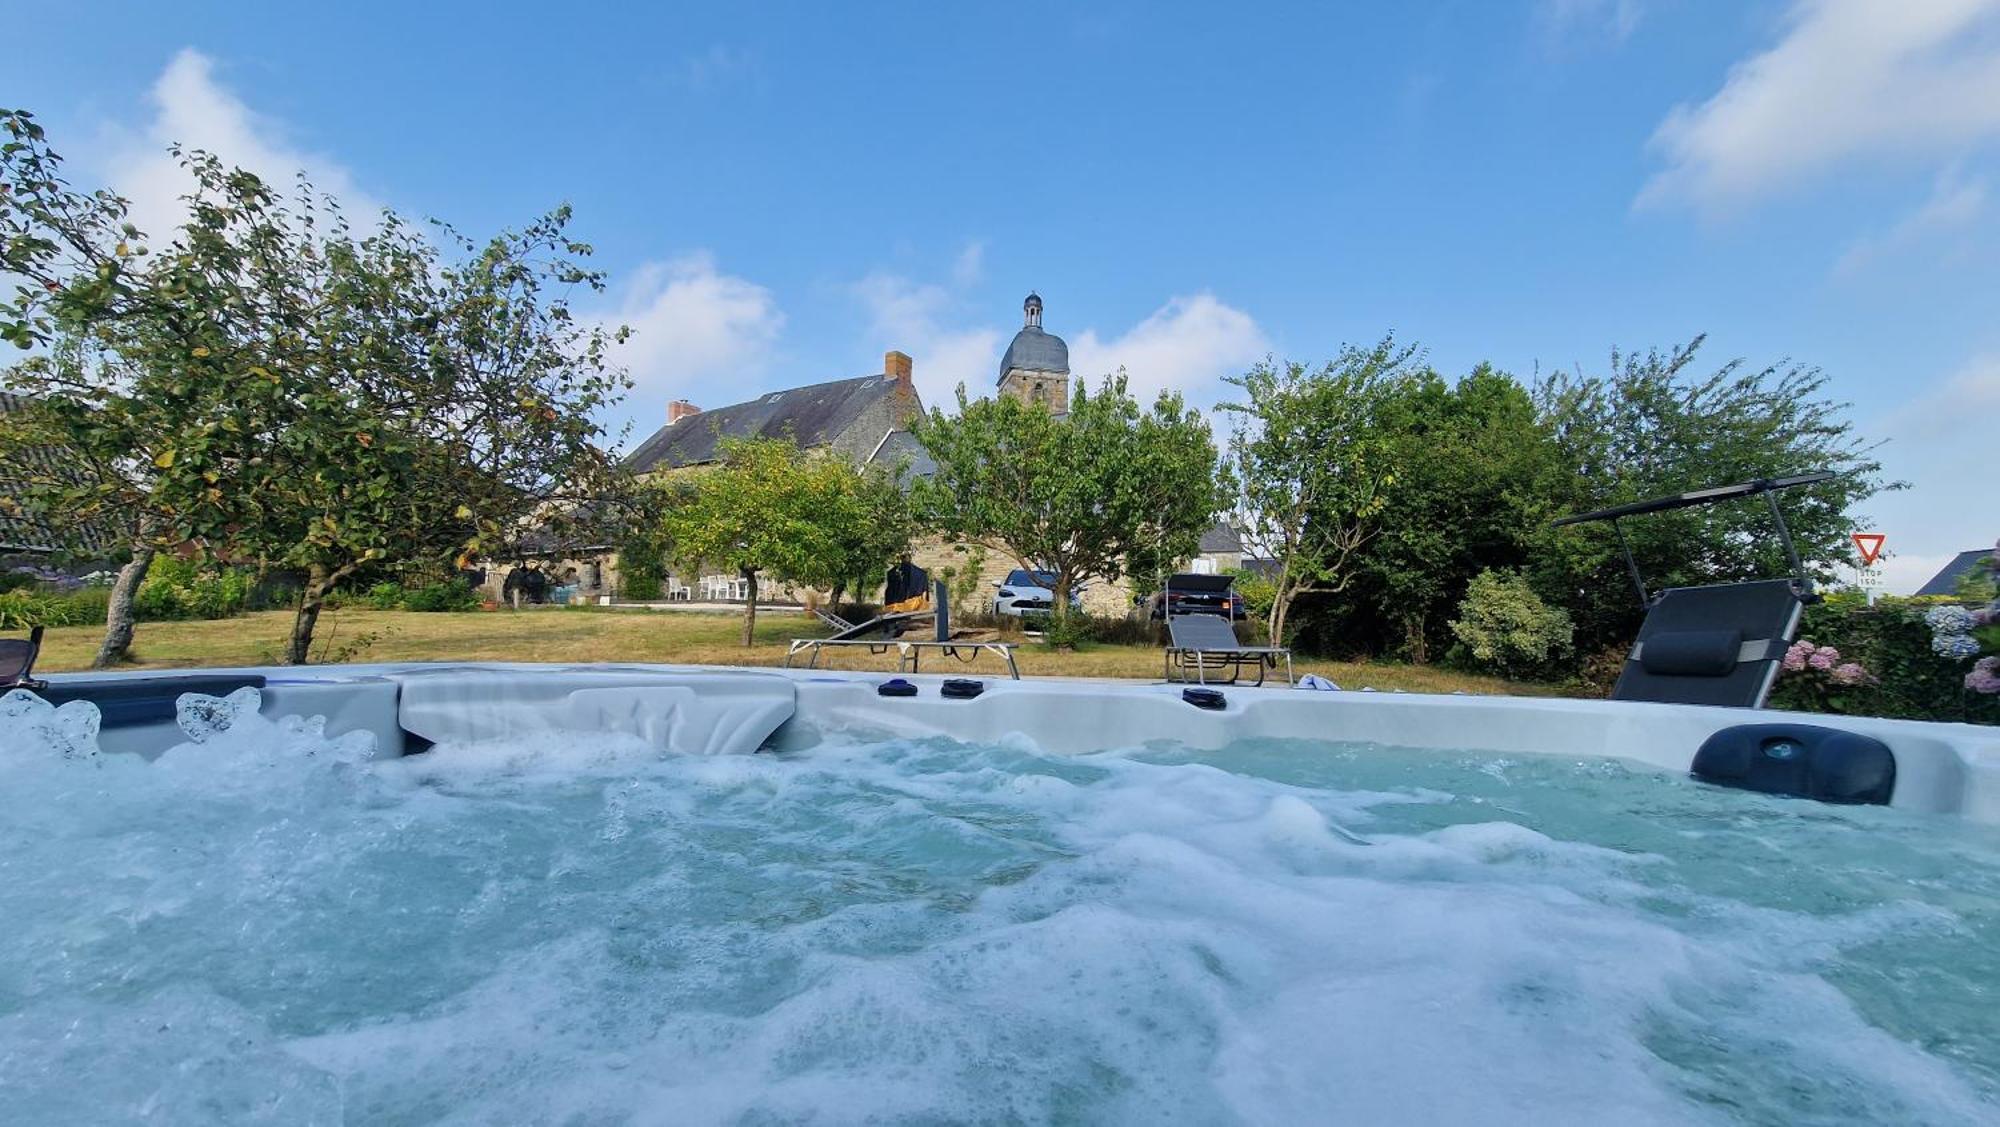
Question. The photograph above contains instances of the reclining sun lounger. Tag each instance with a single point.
(909, 652)
(1718, 644)
(1202, 643)
(17, 661)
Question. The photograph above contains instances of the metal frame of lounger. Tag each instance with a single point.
(17, 662)
(1202, 654)
(908, 654)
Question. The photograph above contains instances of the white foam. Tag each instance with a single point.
(595, 931)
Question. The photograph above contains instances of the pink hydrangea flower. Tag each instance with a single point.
(1983, 616)
(1823, 659)
(1850, 673)
(1985, 676)
(1795, 658)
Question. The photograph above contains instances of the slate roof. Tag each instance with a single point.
(900, 447)
(1945, 582)
(1221, 538)
(1035, 351)
(29, 533)
(812, 416)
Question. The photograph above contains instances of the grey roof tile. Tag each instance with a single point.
(811, 416)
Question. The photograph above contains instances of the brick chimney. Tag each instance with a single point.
(896, 366)
(680, 409)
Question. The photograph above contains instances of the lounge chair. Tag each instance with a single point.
(1204, 643)
(909, 653)
(1712, 645)
(1721, 643)
(17, 661)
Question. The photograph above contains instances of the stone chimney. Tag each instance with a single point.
(680, 409)
(896, 366)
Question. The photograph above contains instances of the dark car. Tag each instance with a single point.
(1196, 594)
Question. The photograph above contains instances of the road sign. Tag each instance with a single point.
(1871, 577)
(1869, 544)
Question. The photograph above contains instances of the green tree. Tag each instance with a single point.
(766, 508)
(288, 392)
(1474, 488)
(1653, 426)
(1315, 458)
(1079, 495)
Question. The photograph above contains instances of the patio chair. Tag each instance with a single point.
(1202, 644)
(1721, 643)
(1712, 645)
(17, 662)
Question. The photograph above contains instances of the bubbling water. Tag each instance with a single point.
(268, 925)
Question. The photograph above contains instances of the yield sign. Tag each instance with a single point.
(1869, 544)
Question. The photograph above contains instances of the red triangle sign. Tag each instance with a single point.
(1869, 544)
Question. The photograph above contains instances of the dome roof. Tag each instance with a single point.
(1035, 351)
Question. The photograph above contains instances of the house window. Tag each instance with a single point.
(1202, 565)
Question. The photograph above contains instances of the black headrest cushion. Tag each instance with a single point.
(1691, 653)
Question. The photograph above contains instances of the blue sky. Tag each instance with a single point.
(783, 192)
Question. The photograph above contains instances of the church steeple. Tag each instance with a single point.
(1036, 366)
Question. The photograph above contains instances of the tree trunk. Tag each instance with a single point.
(1281, 601)
(1060, 596)
(750, 607)
(118, 621)
(298, 651)
(839, 589)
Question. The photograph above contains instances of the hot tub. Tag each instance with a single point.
(503, 893)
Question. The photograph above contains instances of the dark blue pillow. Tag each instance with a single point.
(1691, 653)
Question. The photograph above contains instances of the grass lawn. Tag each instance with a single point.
(553, 634)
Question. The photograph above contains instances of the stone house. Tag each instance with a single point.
(850, 418)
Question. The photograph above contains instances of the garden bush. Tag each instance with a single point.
(24, 608)
(1891, 643)
(175, 588)
(1504, 627)
(451, 595)
(384, 596)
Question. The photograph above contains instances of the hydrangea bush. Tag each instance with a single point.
(1887, 660)
(1958, 634)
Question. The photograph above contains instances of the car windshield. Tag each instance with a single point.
(1020, 578)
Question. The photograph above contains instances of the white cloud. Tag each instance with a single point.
(1562, 20)
(1954, 202)
(1848, 79)
(697, 334)
(969, 266)
(1187, 345)
(192, 109)
(918, 318)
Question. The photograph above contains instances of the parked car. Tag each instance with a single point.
(1025, 593)
(1196, 594)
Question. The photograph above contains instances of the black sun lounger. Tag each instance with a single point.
(1204, 643)
(17, 661)
(1719, 644)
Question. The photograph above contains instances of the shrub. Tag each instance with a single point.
(1259, 591)
(1504, 627)
(451, 595)
(1067, 632)
(384, 596)
(175, 588)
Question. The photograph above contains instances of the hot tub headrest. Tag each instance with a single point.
(1801, 760)
(1691, 653)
